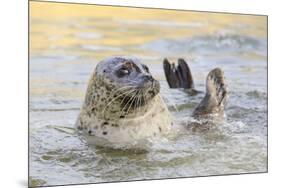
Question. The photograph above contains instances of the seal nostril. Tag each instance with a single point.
(148, 77)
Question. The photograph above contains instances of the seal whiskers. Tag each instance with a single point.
(115, 98)
(127, 103)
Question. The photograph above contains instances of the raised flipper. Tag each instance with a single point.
(186, 79)
(215, 97)
(171, 74)
(179, 76)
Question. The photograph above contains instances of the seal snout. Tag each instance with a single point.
(148, 79)
(154, 88)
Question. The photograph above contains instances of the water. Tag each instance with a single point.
(64, 51)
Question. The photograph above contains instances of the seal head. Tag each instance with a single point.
(119, 86)
(129, 74)
(123, 98)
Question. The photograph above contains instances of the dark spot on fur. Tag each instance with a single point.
(122, 117)
(160, 129)
(104, 124)
(90, 132)
(104, 133)
(89, 113)
(115, 125)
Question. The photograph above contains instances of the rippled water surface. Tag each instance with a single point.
(67, 41)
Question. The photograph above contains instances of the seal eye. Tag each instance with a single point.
(123, 72)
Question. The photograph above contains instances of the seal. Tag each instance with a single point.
(123, 105)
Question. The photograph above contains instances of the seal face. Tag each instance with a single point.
(122, 103)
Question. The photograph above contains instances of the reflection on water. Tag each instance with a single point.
(67, 41)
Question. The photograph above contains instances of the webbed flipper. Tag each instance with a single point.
(171, 74)
(215, 97)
